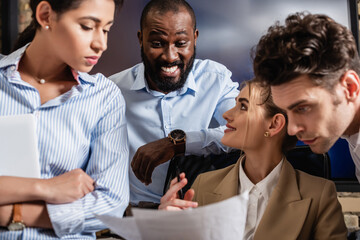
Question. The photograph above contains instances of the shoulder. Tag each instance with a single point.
(127, 76)
(209, 74)
(103, 88)
(210, 66)
(313, 186)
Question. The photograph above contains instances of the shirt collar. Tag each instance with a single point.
(141, 83)
(13, 59)
(352, 139)
(354, 142)
(265, 186)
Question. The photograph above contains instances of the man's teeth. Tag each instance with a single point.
(169, 69)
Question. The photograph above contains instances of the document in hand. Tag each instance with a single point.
(18, 146)
(222, 220)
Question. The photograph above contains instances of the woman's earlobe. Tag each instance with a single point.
(43, 14)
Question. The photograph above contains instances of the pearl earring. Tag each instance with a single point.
(267, 134)
(46, 27)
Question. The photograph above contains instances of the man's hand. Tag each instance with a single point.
(150, 156)
(171, 201)
(67, 187)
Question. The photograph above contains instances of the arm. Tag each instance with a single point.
(108, 166)
(170, 201)
(34, 214)
(208, 141)
(330, 220)
(151, 155)
(201, 142)
(64, 188)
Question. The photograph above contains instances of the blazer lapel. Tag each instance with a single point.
(286, 211)
(227, 188)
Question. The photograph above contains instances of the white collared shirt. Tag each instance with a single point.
(354, 146)
(259, 195)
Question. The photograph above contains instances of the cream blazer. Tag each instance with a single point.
(301, 206)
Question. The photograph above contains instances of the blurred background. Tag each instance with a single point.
(228, 29)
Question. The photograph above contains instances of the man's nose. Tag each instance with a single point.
(171, 54)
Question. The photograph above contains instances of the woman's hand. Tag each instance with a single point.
(171, 201)
(67, 187)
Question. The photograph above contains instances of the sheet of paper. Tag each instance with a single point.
(222, 220)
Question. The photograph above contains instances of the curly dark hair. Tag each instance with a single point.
(307, 44)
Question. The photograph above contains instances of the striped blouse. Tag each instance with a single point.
(82, 128)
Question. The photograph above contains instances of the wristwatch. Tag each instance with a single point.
(178, 137)
(17, 223)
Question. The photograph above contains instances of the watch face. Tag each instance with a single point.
(16, 226)
(177, 134)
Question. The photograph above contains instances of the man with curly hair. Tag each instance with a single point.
(312, 65)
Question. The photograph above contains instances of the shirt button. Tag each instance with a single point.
(166, 126)
(12, 68)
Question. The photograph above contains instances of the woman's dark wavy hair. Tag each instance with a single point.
(308, 44)
(271, 110)
(60, 7)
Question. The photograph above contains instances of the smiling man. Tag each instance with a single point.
(312, 65)
(174, 101)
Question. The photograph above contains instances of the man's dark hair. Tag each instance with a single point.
(164, 6)
(307, 44)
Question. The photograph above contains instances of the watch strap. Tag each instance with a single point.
(179, 148)
(17, 216)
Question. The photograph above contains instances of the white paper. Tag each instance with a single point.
(222, 220)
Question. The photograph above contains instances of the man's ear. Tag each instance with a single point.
(277, 124)
(196, 34)
(139, 35)
(351, 83)
(43, 14)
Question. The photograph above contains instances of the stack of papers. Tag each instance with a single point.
(222, 220)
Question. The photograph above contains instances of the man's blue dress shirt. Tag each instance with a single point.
(82, 128)
(197, 109)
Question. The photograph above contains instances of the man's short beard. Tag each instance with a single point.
(166, 84)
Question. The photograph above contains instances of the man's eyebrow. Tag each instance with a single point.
(95, 19)
(162, 33)
(157, 33)
(296, 104)
(181, 32)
